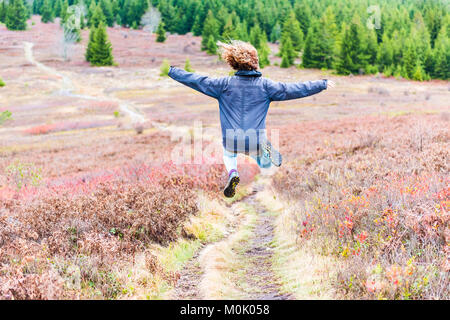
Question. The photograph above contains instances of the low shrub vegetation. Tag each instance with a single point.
(76, 238)
(378, 202)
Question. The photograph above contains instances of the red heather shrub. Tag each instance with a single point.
(67, 126)
(209, 178)
(42, 129)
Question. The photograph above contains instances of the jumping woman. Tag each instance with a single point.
(244, 101)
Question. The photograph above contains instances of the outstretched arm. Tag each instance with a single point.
(212, 87)
(278, 91)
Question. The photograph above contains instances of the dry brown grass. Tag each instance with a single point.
(94, 232)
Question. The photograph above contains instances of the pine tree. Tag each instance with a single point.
(47, 12)
(397, 47)
(385, 55)
(161, 32)
(428, 62)
(101, 54)
(28, 9)
(263, 52)
(3, 11)
(275, 35)
(288, 53)
(82, 22)
(328, 37)
(211, 47)
(309, 58)
(242, 31)
(371, 47)
(64, 14)
(106, 7)
(36, 7)
(190, 15)
(90, 12)
(409, 60)
(89, 50)
(197, 26)
(351, 58)
(419, 74)
(319, 46)
(187, 66)
(97, 17)
(420, 35)
(221, 17)
(115, 7)
(133, 16)
(292, 28)
(210, 29)
(57, 8)
(16, 15)
(229, 31)
(303, 14)
(441, 56)
(433, 20)
(256, 36)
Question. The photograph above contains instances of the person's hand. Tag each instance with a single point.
(331, 84)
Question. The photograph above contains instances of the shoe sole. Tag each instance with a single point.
(276, 163)
(271, 153)
(230, 189)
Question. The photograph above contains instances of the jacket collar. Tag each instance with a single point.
(248, 73)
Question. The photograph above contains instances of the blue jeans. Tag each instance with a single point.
(230, 160)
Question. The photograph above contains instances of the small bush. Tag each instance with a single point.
(370, 69)
(5, 115)
(165, 67)
(187, 66)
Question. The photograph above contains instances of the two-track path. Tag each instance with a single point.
(254, 254)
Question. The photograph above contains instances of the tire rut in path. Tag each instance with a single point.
(187, 285)
(261, 281)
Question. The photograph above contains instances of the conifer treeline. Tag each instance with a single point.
(412, 41)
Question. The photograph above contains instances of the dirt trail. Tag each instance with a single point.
(261, 281)
(68, 88)
(187, 287)
(254, 255)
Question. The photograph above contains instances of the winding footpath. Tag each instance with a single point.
(68, 88)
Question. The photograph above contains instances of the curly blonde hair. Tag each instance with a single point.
(239, 55)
